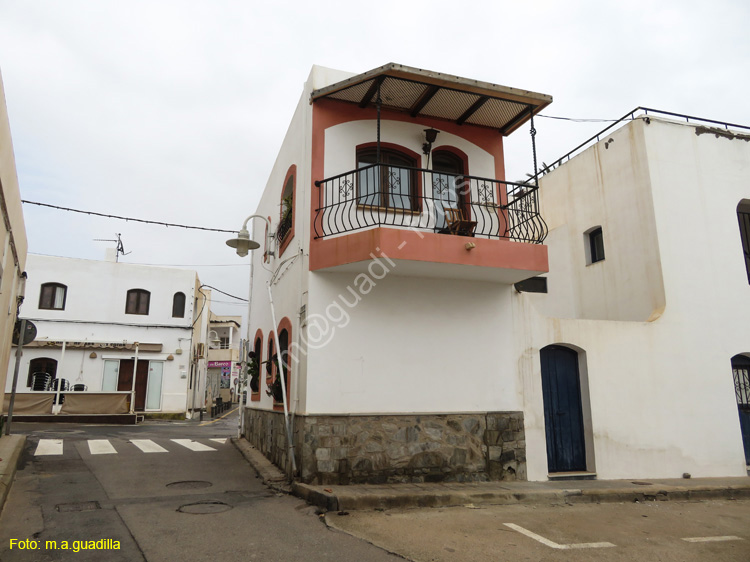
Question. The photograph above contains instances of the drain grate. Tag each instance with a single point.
(204, 508)
(78, 506)
(189, 485)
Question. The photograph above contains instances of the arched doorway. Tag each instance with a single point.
(741, 372)
(563, 411)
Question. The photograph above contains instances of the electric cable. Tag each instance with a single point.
(128, 219)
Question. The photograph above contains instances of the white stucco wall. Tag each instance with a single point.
(410, 345)
(662, 397)
(607, 187)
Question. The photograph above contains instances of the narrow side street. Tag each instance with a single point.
(165, 491)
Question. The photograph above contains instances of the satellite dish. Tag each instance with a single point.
(29, 334)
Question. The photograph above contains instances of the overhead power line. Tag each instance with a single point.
(579, 120)
(133, 219)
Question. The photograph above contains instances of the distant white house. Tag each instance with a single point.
(437, 322)
(116, 329)
(223, 357)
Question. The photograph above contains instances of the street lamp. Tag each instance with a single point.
(242, 244)
(215, 340)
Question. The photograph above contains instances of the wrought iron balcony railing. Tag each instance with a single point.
(413, 198)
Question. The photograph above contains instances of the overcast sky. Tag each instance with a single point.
(175, 111)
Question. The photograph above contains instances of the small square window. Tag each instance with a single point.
(596, 245)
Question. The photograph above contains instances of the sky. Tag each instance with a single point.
(174, 111)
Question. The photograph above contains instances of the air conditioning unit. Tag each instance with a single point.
(200, 351)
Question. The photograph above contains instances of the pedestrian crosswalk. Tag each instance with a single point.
(52, 447)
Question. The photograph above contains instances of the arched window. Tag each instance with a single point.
(178, 305)
(449, 189)
(743, 215)
(284, 332)
(258, 348)
(285, 231)
(393, 184)
(52, 296)
(41, 366)
(137, 301)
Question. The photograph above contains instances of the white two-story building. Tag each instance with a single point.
(114, 337)
(436, 321)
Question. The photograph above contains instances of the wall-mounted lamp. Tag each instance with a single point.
(430, 135)
(93, 355)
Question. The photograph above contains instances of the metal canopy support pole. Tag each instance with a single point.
(135, 373)
(59, 380)
(533, 145)
(379, 102)
(19, 353)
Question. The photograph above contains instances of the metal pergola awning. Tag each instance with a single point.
(422, 93)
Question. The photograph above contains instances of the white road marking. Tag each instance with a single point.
(220, 440)
(713, 539)
(193, 445)
(148, 446)
(49, 447)
(101, 447)
(555, 545)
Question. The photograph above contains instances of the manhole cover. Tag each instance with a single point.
(189, 485)
(637, 483)
(79, 506)
(204, 508)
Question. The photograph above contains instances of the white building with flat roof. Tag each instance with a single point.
(108, 327)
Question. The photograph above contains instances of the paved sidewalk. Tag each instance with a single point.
(11, 447)
(389, 496)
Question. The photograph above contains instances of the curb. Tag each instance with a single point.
(337, 499)
(11, 447)
(269, 473)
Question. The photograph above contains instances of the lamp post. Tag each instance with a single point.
(242, 244)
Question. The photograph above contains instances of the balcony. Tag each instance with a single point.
(433, 224)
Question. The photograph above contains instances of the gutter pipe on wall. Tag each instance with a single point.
(135, 374)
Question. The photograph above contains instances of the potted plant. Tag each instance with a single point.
(274, 388)
(286, 217)
(253, 370)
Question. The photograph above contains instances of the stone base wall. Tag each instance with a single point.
(388, 448)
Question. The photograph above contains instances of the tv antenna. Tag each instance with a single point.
(119, 248)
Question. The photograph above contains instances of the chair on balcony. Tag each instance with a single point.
(457, 223)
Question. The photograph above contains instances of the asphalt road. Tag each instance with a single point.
(165, 491)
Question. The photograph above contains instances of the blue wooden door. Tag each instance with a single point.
(741, 372)
(563, 414)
